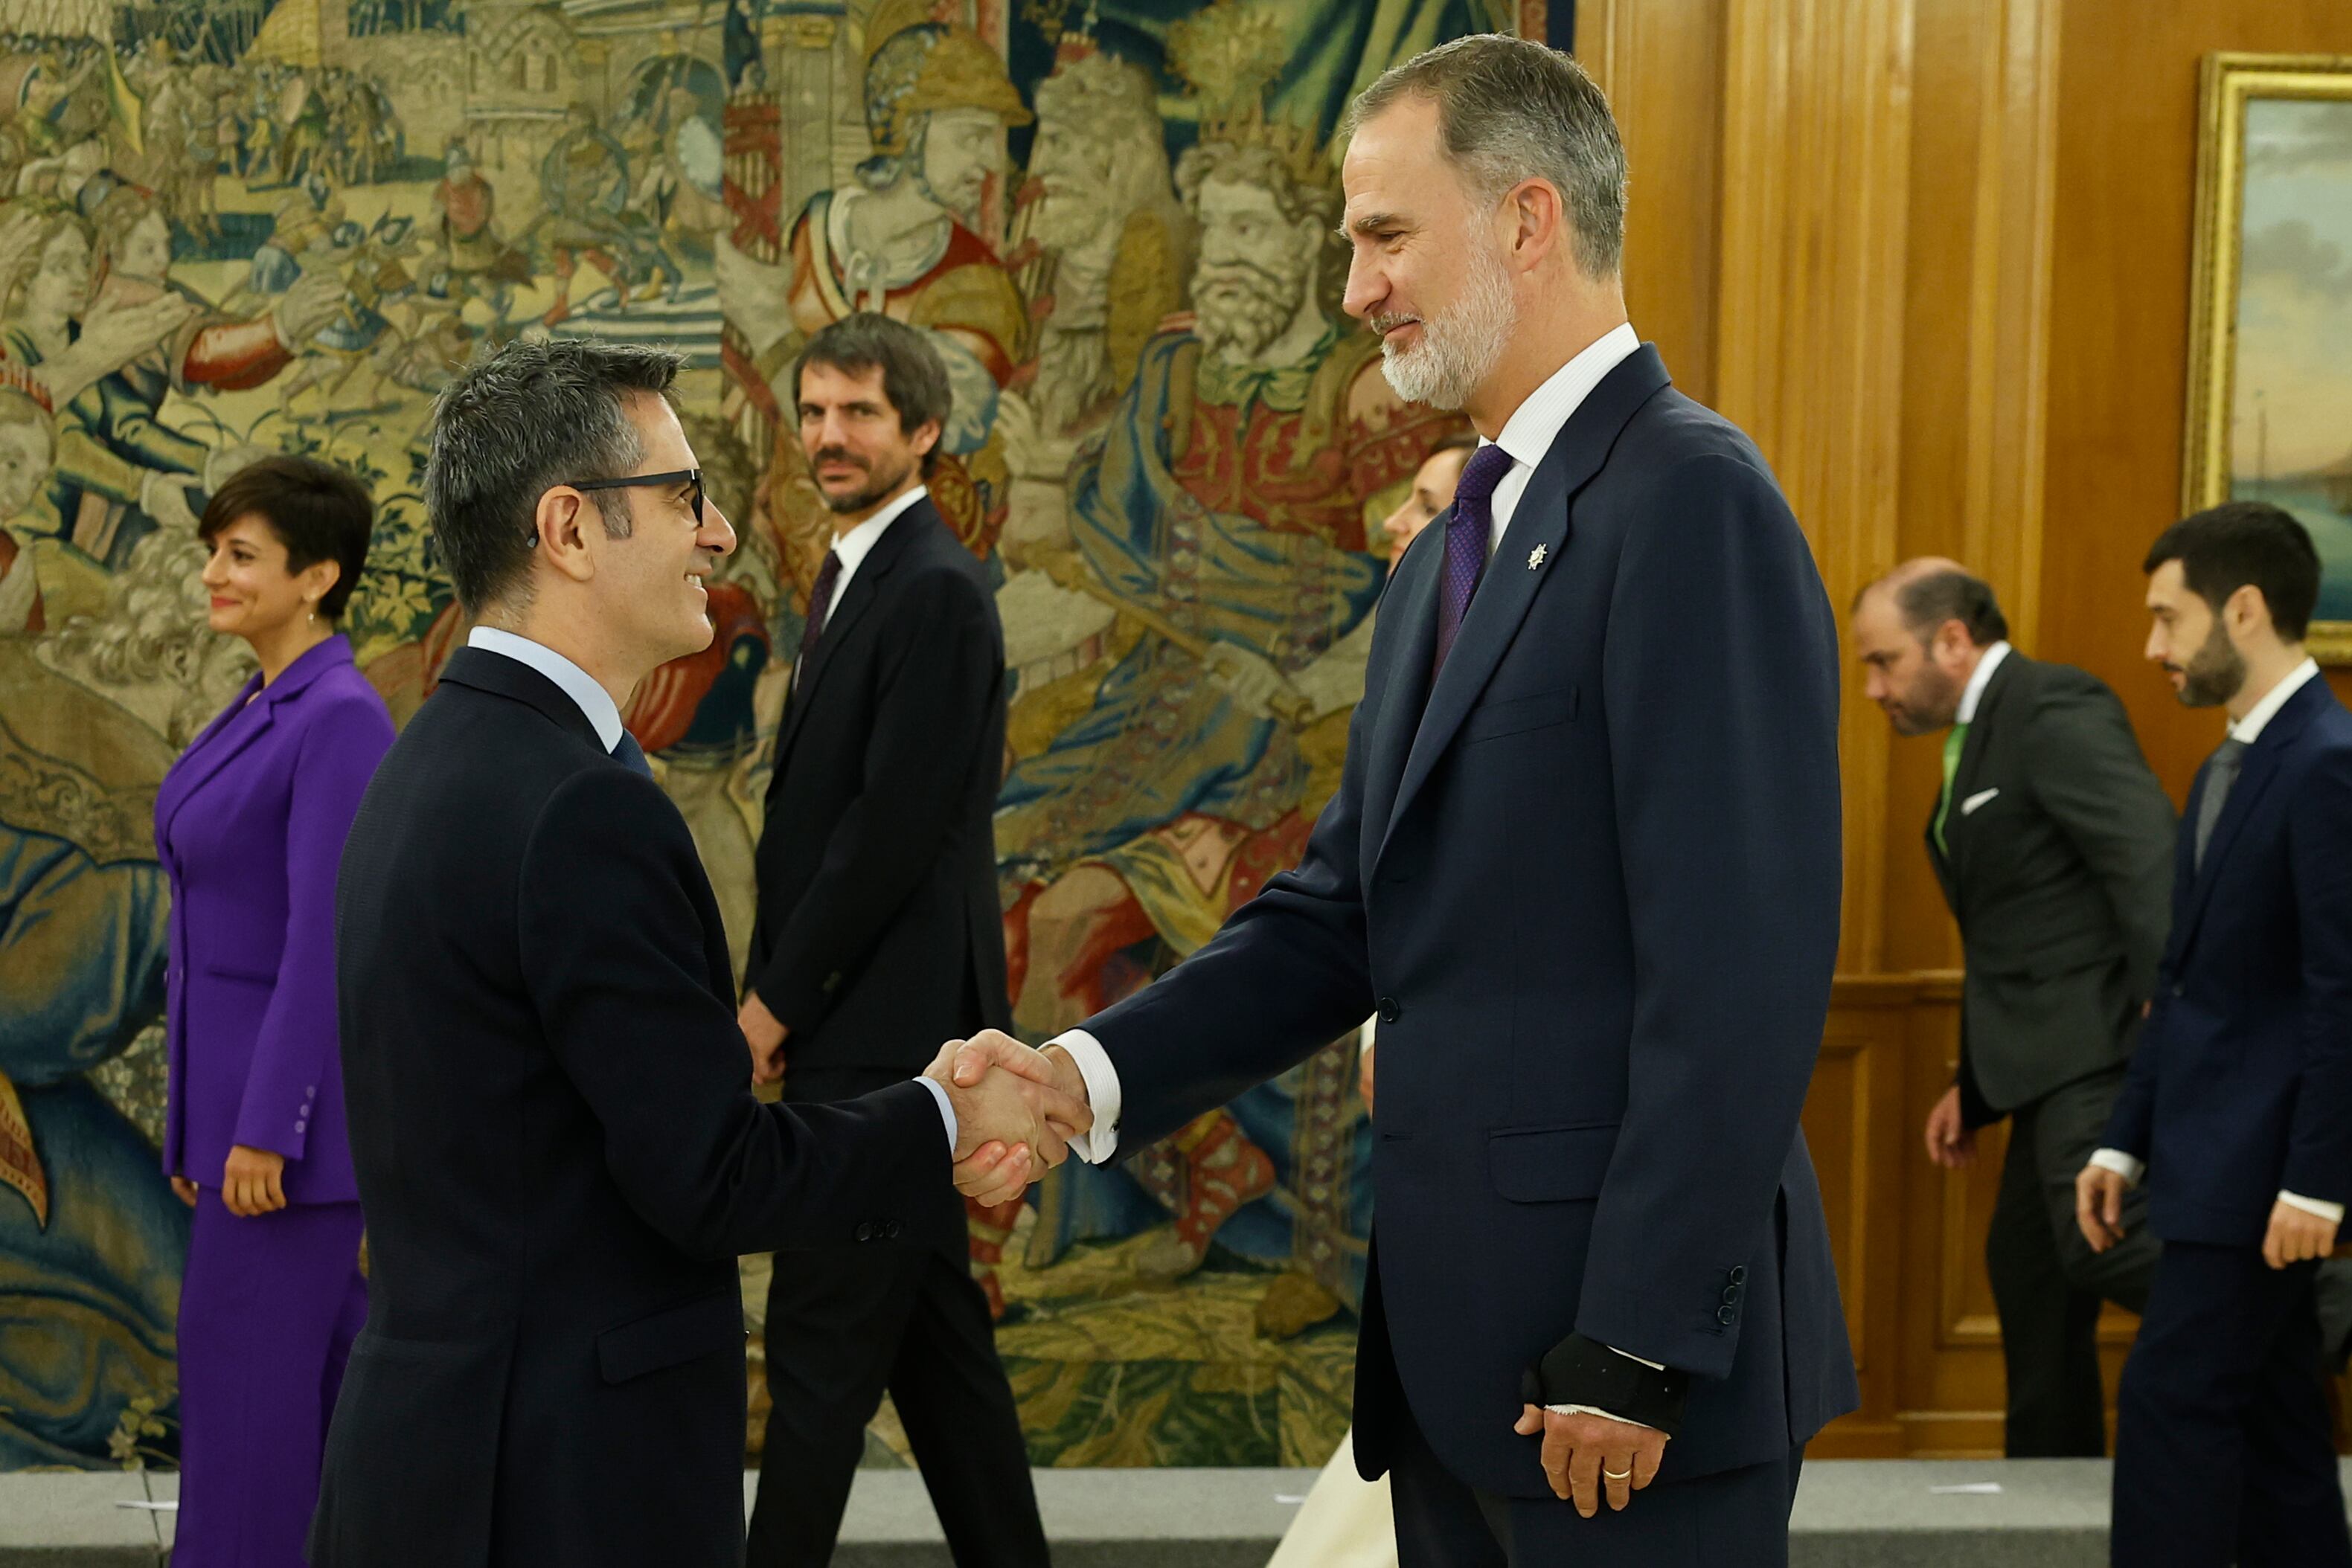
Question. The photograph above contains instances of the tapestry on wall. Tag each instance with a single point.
(234, 226)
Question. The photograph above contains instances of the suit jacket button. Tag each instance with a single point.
(864, 1231)
(1739, 1275)
(1730, 1294)
(1390, 1011)
(891, 1230)
(2175, 990)
(1725, 1315)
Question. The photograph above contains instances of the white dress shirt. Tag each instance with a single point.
(1527, 435)
(602, 711)
(854, 546)
(2248, 729)
(578, 685)
(1974, 692)
(1536, 423)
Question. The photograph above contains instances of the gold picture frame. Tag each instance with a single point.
(2276, 131)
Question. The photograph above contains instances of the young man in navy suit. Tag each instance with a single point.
(2238, 1108)
(1583, 863)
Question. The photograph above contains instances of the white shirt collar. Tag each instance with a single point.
(1536, 422)
(854, 546)
(1980, 681)
(577, 683)
(2258, 717)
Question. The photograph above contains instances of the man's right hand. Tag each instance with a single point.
(997, 1169)
(2099, 1205)
(1951, 1142)
(764, 1034)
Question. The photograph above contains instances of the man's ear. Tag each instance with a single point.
(926, 437)
(2246, 609)
(562, 520)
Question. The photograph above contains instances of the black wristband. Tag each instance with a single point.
(1580, 1371)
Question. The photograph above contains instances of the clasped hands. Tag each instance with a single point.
(1016, 1110)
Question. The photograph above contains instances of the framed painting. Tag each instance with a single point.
(2270, 349)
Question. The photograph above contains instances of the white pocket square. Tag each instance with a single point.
(1969, 806)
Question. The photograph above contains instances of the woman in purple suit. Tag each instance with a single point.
(249, 824)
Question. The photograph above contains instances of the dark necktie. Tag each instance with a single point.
(1468, 533)
(820, 607)
(631, 756)
(2218, 780)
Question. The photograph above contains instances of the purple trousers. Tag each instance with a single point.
(268, 1309)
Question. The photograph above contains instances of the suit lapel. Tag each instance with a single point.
(888, 551)
(242, 723)
(1510, 583)
(1970, 768)
(2255, 775)
(1410, 604)
(480, 670)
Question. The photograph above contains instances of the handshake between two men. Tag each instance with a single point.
(1016, 1110)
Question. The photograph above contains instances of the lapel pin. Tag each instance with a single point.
(1536, 556)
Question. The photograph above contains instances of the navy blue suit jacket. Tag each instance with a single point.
(1591, 881)
(2242, 1082)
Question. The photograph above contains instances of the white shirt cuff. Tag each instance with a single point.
(1596, 1410)
(1607, 1415)
(2331, 1212)
(2122, 1164)
(1093, 1062)
(947, 1110)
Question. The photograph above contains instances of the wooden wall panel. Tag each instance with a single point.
(1933, 255)
(1661, 63)
(2119, 350)
(1809, 357)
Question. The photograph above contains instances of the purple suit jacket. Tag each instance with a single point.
(249, 824)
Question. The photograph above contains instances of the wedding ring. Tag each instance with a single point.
(1610, 1475)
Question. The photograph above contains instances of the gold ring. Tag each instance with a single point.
(1616, 1475)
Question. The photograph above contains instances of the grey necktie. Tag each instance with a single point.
(2222, 773)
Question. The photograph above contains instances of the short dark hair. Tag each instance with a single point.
(914, 377)
(2223, 549)
(316, 510)
(1932, 598)
(535, 414)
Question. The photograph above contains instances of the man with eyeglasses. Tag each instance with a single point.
(558, 1150)
(878, 935)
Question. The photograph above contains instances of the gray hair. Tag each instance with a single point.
(1509, 109)
(535, 414)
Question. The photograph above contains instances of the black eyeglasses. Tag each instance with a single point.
(674, 477)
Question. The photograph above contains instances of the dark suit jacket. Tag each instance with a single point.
(560, 1156)
(250, 824)
(2062, 883)
(2242, 1082)
(879, 934)
(1590, 883)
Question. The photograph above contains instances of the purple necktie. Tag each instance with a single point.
(1467, 535)
(820, 606)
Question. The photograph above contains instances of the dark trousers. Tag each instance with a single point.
(1736, 1516)
(2048, 1284)
(2224, 1449)
(846, 1324)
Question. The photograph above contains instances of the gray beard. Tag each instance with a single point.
(1237, 323)
(1068, 224)
(1458, 349)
